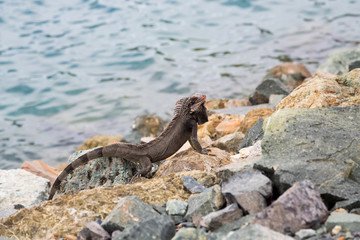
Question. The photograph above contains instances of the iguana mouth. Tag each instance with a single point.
(200, 97)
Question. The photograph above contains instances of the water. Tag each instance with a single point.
(74, 69)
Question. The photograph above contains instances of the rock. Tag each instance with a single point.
(349, 222)
(305, 234)
(254, 134)
(194, 234)
(226, 103)
(67, 214)
(192, 160)
(253, 116)
(41, 169)
(321, 145)
(338, 62)
(242, 161)
(161, 227)
(336, 230)
(216, 219)
(255, 231)
(228, 125)
(93, 231)
(266, 88)
(128, 211)
(192, 185)
(99, 141)
(176, 207)
(275, 99)
(325, 90)
(299, 207)
(229, 142)
(252, 202)
(349, 204)
(20, 187)
(208, 129)
(235, 225)
(204, 203)
(353, 65)
(97, 172)
(249, 189)
(148, 125)
(291, 74)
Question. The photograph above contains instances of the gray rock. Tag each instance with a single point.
(235, 225)
(128, 211)
(229, 142)
(305, 234)
(350, 204)
(195, 234)
(353, 65)
(254, 134)
(241, 183)
(274, 99)
(21, 188)
(97, 172)
(255, 231)
(148, 125)
(192, 185)
(349, 222)
(317, 144)
(93, 231)
(266, 88)
(216, 219)
(299, 207)
(161, 227)
(176, 207)
(339, 62)
(204, 203)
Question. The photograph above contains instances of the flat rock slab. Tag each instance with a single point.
(299, 207)
(255, 231)
(250, 180)
(21, 188)
(348, 222)
(127, 212)
(216, 219)
(322, 145)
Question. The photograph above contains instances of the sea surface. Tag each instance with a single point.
(74, 69)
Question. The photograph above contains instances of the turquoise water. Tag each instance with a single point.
(74, 69)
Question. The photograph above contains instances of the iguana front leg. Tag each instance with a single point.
(194, 142)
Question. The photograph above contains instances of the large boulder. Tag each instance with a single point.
(21, 189)
(325, 90)
(322, 145)
(299, 207)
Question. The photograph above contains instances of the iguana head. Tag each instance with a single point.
(193, 107)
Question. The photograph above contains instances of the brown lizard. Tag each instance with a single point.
(189, 111)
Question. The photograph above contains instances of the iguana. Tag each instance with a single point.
(188, 112)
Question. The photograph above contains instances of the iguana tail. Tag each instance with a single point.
(96, 153)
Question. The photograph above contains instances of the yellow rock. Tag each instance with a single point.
(325, 90)
(66, 216)
(253, 116)
(190, 160)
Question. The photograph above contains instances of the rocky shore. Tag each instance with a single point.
(284, 164)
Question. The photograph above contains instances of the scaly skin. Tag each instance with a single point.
(189, 112)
